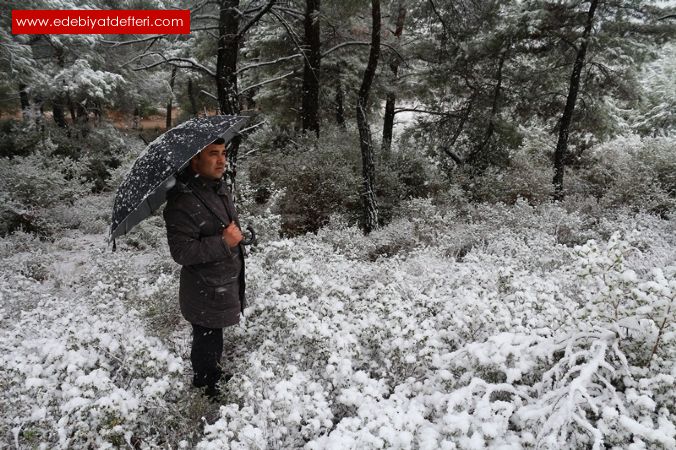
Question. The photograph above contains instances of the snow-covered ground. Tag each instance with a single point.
(487, 326)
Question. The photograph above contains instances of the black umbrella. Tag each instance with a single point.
(153, 174)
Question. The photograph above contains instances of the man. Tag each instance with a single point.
(205, 238)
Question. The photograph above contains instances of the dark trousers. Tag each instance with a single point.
(205, 355)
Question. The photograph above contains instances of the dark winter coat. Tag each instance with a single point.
(211, 292)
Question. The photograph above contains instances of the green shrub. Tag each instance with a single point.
(318, 177)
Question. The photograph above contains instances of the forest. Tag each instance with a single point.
(466, 221)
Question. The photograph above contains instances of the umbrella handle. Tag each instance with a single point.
(252, 239)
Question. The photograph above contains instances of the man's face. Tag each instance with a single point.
(210, 162)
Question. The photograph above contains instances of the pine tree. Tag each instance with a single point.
(366, 143)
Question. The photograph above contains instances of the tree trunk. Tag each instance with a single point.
(38, 109)
(340, 101)
(191, 96)
(25, 101)
(458, 132)
(312, 54)
(58, 111)
(226, 57)
(98, 110)
(480, 155)
(172, 80)
(81, 113)
(388, 122)
(226, 77)
(82, 119)
(567, 117)
(368, 169)
(136, 121)
(71, 108)
(58, 102)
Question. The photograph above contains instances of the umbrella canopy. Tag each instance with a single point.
(144, 189)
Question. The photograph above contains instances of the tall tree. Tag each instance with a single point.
(366, 143)
(388, 121)
(574, 87)
(226, 57)
(340, 102)
(496, 69)
(170, 103)
(312, 57)
(191, 98)
(464, 51)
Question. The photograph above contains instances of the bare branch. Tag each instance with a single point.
(150, 44)
(436, 13)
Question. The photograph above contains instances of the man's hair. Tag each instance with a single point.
(218, 141)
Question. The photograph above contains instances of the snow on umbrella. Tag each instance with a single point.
(153, 174)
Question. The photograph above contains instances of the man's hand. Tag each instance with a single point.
(232, 235)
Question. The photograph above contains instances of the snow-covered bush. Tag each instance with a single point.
(82, 361)
(641, 308)
(305, 169)
(104, 150)
(632, 171)
(33, 185)
(83, 373)
(46, 189)
(589, 398)
(264, 218)
(420, 349)
(528, 176)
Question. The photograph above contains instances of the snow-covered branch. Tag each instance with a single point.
(134, 41)
(352, 43)
(183, 63)
(267, 63)
(271, 80)
(427, 111)
(292, 12)
(208, 94)
(253, 21)
(291, 34)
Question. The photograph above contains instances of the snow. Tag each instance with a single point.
(523, 342)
